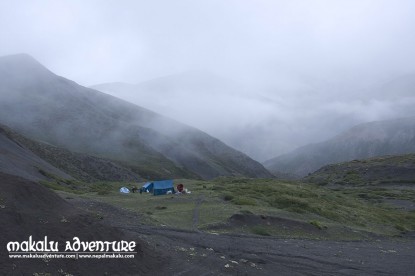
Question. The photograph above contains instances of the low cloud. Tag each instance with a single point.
(288, 72)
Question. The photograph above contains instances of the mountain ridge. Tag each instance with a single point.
(362, 141)
(50, 108)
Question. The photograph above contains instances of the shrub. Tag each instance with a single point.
(291, 203)
(401, 228)
(243, 201)
(246, 212)
(317, 224)
(260, 230)
(60, 186)
(228, 197)
(101, 188)
(103, 192)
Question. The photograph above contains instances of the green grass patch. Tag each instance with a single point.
(214, 202)
(260, 230)
(401, 228)
(318, 224)
(101, 188)
(244, 201)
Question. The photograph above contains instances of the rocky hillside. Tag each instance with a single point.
(385, 170)
(80, 166)
(49, 108)
(363, 141)
(30, 209)
(16, 159)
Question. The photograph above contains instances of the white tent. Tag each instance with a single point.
(124, 190)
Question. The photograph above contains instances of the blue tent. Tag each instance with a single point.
(159, 187)
(148, 187)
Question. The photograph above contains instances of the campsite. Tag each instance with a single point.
(211, 205)
(226, 226)
(207, 138)
(231, 226)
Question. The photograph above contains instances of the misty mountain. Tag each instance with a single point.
(237, 114)
(55, 110)
(402, 86)
(378, 138)
(267, 119)
(80, 166)
(186, 97)
(202, 83)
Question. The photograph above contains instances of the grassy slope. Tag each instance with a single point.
(394, 169)
(379, 180)
(219, 199)
(91, 168)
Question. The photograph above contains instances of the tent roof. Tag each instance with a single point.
(164, 184)
(124, 190)
(147, 184)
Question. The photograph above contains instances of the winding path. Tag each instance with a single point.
(198, 202)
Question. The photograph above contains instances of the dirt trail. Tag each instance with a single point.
(199, 253)
(198, 202)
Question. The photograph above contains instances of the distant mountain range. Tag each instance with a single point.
(379, 138)
(48, 108)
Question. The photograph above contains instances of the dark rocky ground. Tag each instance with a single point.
(29, 209)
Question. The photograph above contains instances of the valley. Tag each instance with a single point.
(207, 138)
(66, 150)
(230, 226)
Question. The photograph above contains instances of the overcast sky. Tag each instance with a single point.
(101, 41)
(336, 47)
